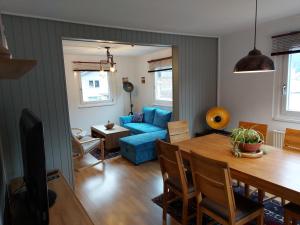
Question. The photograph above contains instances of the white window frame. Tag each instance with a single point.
(162, 102)
(279, 93)
(111, 101)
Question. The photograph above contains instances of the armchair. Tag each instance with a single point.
(82, 147)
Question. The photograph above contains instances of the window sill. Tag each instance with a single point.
(82, 106)
(286, 119)
(163, 103)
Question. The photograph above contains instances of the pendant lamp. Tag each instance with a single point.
(11, 68)
(255, 61)
(109, 61)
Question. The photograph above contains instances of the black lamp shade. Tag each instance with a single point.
(128, 86)
(254, 62)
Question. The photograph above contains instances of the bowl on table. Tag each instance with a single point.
(109, 126)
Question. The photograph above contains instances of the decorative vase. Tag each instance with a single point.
(246, 147)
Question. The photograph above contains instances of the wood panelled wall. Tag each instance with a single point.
(43, 90)
(2, 186)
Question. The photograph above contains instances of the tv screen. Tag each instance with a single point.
(34, 166)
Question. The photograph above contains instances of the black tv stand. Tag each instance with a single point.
(66, 210)
(21, 208)
(51, 197)
(212, 131)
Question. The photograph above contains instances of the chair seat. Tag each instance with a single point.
(90, 145)
(141, 128)
(176, 183)
(293, 208)
(244, 207)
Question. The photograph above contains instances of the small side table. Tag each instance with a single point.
(111, 136)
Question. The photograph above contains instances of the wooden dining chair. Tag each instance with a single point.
(291, 214)
(263, 130)
(175, 180)
(178, 131)
(291, 139)
(215, 197)
(291, 142)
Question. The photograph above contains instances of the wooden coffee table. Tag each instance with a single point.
(111, 136)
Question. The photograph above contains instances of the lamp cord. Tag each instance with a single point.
(255, 24)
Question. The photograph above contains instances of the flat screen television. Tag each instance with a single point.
(34, 165)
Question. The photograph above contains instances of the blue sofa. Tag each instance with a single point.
(140, 146)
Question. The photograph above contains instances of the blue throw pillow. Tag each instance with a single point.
(161, 118)
(137, 117)
(149, 114)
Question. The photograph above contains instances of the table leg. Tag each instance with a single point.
(261, 195)
(102, 149)
(247, 190)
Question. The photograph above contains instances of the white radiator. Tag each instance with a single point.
(278, 137)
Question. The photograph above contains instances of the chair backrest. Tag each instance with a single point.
(178, 131)
(212, 179)
(76, 144)
(171, 164)
(261, 128)
(292, 139)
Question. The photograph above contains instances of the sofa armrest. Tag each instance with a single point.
(125, 119)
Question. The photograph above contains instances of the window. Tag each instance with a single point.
(293, 83)
(287, 102)
(163, 87)
(95, 88)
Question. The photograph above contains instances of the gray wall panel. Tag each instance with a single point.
(43, 90)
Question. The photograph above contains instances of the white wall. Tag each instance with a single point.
(144, 95)
(249, 97)
(85, 117)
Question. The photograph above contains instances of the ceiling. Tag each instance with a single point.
(98, 48)
(199, 17)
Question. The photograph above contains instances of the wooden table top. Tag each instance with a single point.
(276, 172)
(102, 129)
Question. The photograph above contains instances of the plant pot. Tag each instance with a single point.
(246, 147)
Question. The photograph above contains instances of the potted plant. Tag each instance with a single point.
(247, 140)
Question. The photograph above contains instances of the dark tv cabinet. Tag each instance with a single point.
(212, 131)
(66, 210)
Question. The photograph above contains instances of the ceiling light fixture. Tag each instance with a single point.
(255, 61)
(109, 61)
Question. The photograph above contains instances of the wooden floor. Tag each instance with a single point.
(121, 193)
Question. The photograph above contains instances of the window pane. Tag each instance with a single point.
(163, 85)
(293, 86)
(95, 86)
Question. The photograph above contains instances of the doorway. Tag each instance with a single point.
(96, 73)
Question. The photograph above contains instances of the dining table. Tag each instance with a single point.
(276, 172)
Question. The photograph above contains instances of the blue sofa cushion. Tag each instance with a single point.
(142, 139)
(139, 128)
(125, 119)
(149, 114)
(141, 148)
(161, 118)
